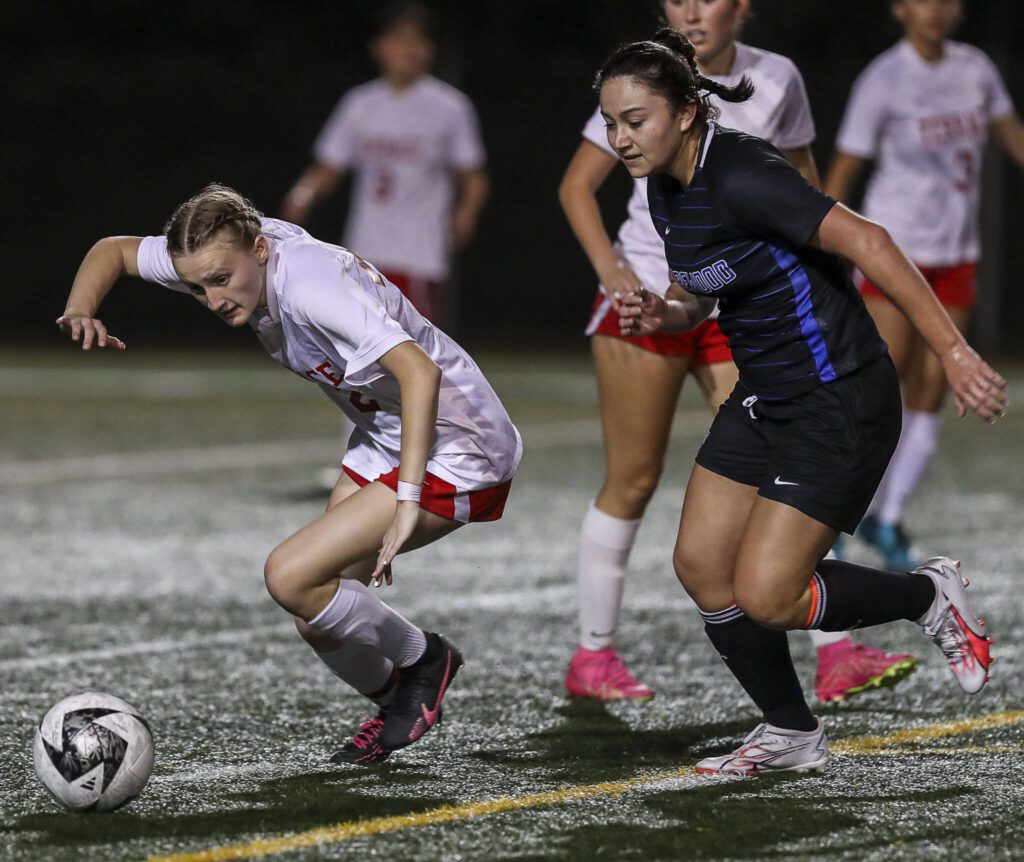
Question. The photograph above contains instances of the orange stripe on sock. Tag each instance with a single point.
(814, 603)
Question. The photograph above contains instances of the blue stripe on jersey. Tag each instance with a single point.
(789, 264)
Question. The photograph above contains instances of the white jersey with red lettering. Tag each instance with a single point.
(404, 148)
(330, 317)
(778, 111)
(925, 124)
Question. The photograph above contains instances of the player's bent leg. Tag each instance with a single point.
(638, 391)
(711, 528)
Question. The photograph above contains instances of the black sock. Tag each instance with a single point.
(759, 659)
(855, 597)
(434, 650)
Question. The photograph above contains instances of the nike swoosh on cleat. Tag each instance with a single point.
(430, 715)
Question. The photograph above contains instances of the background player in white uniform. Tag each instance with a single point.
(433, 447)
(639, 379)
(922, 112)
(412, 143)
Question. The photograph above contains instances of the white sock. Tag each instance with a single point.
(823, 639)
(917, 445)
(362, 667)
(357, 616)
(605, 543)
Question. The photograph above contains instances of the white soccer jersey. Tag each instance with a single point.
(925, 126)
(403, 147)
(330, 318)
(779, 112)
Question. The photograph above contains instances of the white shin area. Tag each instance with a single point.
(605, 545)
(356, 616)
(360, 666)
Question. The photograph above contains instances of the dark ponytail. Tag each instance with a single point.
(667, 65)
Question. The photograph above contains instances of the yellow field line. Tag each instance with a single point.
(448, 813)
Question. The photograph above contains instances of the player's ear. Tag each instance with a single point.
(687, 117)
(261, 248)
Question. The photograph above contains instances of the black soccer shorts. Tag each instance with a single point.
(822, 452)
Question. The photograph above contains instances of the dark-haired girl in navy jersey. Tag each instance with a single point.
(796, 452)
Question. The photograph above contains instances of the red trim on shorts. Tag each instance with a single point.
(705, 344)
(424, 295)
(954, 286)
(442, 498)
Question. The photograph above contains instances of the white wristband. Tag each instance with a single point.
(407, 491)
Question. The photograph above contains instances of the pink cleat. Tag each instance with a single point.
(847, 668)
(603, 675)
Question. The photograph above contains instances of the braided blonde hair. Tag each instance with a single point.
(207, 215)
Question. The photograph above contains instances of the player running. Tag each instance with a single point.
(640, 378)
(432, 449)
(922, 111)
(413, 145)
(796, 451)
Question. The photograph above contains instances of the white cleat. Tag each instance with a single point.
(946, 623)
(772, 749)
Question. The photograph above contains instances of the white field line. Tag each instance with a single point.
(230, 637)
(545, 596)
(243, 456)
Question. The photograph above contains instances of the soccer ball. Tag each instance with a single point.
(93, 751)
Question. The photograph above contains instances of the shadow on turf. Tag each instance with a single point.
(592, 744)
(283, 805)
(737, 820)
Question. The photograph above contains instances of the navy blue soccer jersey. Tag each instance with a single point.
(739, 232)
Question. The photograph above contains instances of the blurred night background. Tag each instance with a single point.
(114, 112)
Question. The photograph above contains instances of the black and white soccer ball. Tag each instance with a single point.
(93, 751)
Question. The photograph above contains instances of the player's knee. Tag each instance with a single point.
(770, 608)
(634, 490)
(694, 573)
(282, 584)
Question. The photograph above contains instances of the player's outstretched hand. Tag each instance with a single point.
(407, 515)
(618, 280)
(641, 313)
(975, 385)
(88, 330)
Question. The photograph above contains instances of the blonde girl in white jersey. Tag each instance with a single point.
(922, 112)
(640, 378)
(432, 449)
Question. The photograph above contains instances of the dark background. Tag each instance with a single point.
(114, 112)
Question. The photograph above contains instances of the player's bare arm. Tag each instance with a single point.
(1009, 133)
(317, 182)
(842, 174)
(645, 312)
(802, 158)
(472, 190)
(108, 260)
(872, 249)
(419, 379)
(586, 173)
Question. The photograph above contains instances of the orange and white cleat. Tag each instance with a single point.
(948, 623)
(772, 749)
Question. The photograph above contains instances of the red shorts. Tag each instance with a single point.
(444, 499)
(705, 344)
(424, 295)
(954, 286)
